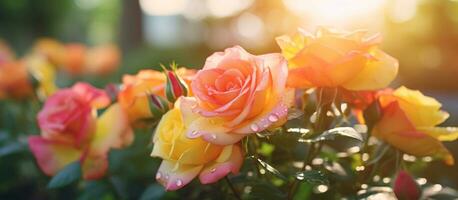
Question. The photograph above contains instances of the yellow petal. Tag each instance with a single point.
(112, 131)
(441, 133)
(52, 156)
(377, 74)
(290, 46)
(423, 111)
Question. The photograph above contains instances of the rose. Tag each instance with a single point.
(135, 91)
(68, 113)
(237, 93)
(184, 158)
(408, 122)
(51, 49)
(71, 131)
(6, 54)
(337, 59)
(43, 72)
(75, 58)
(14, 80)
(103, 59)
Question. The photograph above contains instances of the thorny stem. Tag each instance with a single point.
(236, 194)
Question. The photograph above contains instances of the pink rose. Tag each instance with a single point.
(67, 114)
(72, 131)
(238, 93)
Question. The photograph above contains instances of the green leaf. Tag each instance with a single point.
(269, 168)
(313, 177)
(265, 190)
(154, 191)
(266, 149)
(11, 148)
(331, 134)
(69, 174)
(304, 191)
(94, 190)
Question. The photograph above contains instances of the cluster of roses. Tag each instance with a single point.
(35, 73)
(235, 94)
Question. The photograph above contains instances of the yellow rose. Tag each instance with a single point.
(332, 58)
(409, 121)
(184, 158)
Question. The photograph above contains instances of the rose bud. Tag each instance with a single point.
(157, 105)
(405, 187)
(175, 86)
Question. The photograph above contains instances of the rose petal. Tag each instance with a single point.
(174, 176)
(96, 97)
(113, 131)
(441, 133)
(213, 131)
(378, 73)
(52, 156)
(264, 121)
(222, 167)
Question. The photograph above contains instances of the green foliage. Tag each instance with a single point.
(71, 173)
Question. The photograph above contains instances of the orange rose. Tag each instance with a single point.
(52, 49)
(103, 59)
(75, 58)
(14, 80)
(135, 90)
(5, 52)
(237, 93)
(337, 59)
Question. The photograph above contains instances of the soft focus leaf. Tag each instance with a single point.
(11, 148)
(304, 191)
(331, 134)
(438, 192)
(94, 190)
(69, 174)
(263, 190)
(266, 149)
(313, 177)
(269, 168)
(154, 191)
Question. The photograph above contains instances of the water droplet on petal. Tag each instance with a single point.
(254, 127)
(213, 170)
(179, 182)
(273, 118)
(213, 136)
(166, 177)
(194, 133)
(158, 175)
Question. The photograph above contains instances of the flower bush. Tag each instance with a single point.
(316, 121)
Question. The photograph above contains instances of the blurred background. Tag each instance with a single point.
(422, 34)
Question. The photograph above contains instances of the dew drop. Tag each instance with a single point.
(158, 175)
(213, 170)
(194, 132)
(254, 127)
(273, 118)
(179, 182)
(213, 136)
